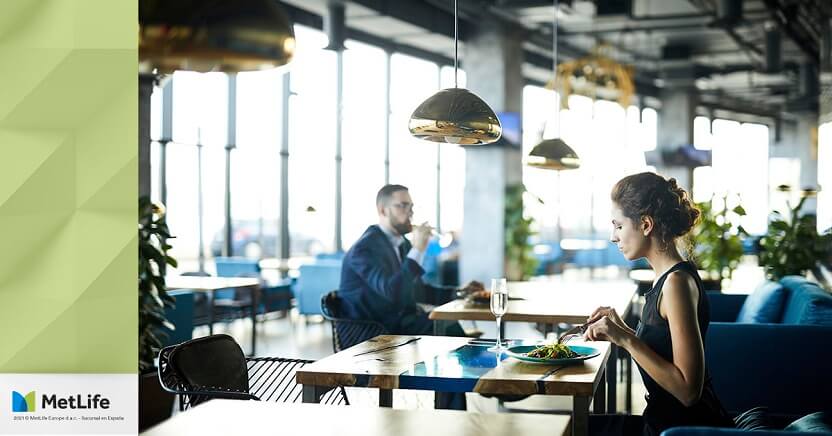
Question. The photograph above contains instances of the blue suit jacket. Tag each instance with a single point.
(376, 286)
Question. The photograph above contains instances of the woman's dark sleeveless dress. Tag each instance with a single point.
(663, 409)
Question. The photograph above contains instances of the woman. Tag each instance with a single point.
(649, 215)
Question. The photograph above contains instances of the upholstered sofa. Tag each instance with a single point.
(771, 348)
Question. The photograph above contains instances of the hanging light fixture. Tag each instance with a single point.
(455, 115)
(598, 76)
(218, 35)
(554, 154)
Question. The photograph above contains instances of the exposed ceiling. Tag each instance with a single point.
(718, 46)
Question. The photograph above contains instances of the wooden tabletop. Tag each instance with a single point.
(255, 418)
(210, 283)
(453, 365)
(547, 302)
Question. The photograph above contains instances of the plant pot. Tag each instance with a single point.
(155, 404)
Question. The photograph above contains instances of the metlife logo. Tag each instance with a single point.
(68, 404)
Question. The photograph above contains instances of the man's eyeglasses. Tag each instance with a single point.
(403, 206)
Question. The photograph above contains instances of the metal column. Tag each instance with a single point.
(284, 168)
(230, 145)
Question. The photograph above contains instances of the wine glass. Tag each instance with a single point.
(499, 305)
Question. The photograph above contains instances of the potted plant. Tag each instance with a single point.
(718, 240)
(519, 260)
(154, 404)
(792, 245)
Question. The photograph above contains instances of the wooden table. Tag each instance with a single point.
(210, 284)
(546, 302)
(449, 364)
(255, 418)
(553, 302)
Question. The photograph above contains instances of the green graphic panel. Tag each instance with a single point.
(68, 186)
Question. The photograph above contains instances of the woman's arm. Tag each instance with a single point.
(683, 377)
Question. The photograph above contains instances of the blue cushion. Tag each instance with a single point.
(806, 303)
(764, 305)
(816, 422)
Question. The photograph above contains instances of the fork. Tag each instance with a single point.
(574, 331)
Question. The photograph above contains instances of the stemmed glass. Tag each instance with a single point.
(499, 304)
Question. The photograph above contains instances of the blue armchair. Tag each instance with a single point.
(272, 298)
(316, 280)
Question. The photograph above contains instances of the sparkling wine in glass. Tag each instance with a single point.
(499, 305)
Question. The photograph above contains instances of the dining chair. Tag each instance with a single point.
(347, 332)
(214, 366)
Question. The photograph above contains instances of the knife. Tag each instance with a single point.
(389, 347)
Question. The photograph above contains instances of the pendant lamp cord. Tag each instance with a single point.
(456, 41)
(555, 66)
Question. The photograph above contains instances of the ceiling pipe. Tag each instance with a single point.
(335, 25)
(773, 60)
(729, 12)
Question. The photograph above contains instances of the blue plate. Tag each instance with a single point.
(520, 352)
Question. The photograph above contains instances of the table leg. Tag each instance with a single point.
(210, 313)
(628, 401)
(599, 399)
(436, 327)
(385, 398)
(311, 394)
(254, 303)
(612, 379)
(580, 416)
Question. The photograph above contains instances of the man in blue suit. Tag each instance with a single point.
(381, 276)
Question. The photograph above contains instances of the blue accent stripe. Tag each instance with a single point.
(440, 384)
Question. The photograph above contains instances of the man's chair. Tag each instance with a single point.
(347, 332)
(214, 366)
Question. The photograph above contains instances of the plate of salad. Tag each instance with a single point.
(553, 354)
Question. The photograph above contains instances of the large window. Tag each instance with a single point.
(732, 142)
(312, 145)
(200, 115)
(825, 177)
(610, 143)
(255, 164)
(413, 161)
(364, 137)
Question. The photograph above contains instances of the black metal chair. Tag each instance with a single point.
(214, 366)
(347, 332)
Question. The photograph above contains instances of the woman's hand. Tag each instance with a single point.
(610, 313)
(605, 329)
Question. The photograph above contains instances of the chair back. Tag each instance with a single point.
(181, 317)
(214, 367)
(237, 267)
(347, 332)
(215, 361)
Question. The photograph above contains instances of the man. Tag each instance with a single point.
(381, 274)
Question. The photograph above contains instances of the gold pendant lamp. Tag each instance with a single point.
(455, 115)
(554, 154)
(217, 35)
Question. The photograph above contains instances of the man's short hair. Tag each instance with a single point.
(385, 194)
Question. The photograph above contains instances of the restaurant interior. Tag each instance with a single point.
(267, 128)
